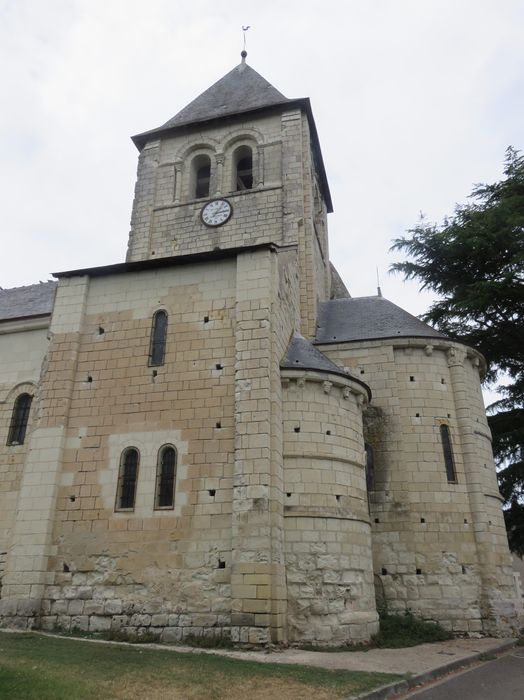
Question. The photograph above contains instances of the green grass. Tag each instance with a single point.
(37, 667)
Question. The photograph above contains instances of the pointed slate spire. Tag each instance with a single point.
(240, 90)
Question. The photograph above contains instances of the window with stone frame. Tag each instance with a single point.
(200, 176)
(19, 419)
(157, 346)
(127, 479)
(447, 448)
(165, 477)
(243, 168)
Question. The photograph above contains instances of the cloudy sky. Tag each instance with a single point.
(415, 100)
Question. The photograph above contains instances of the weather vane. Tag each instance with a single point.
(244, 51)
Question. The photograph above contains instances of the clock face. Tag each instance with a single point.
(216, 212)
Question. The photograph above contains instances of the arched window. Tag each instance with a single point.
(165, 477)
(19, 419)
(243, 168)
(157, 346)
(447, 448)
(201, 176)
(127, 478)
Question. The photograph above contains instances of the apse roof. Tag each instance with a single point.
(367, 318)
(302, 355)
(24, 302)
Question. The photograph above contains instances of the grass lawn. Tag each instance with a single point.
(36, 667)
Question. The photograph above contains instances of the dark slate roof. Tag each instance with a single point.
(240, 90)
(302, 355)
(23, 302)
(367, 318)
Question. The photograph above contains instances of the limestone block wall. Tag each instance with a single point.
(329, 567)
(439, 545)
(146, 569)
(23, 347)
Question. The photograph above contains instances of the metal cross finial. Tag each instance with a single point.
(244, 52)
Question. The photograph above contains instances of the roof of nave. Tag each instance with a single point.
(24, 302)
(367, 318)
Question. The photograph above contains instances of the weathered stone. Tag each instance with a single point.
(80, 622)
(99, 623)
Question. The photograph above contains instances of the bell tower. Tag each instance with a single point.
(238, 167)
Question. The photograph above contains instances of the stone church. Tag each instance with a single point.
(214, 438)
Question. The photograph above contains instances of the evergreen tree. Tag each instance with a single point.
(474, 261)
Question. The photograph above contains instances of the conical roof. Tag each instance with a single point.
(367, 318)
(302, 355)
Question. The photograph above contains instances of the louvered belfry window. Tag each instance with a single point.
(243, 161)
(201, 176)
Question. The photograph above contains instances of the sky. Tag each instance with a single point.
(414, 101)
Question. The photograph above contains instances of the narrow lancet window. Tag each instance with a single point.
(201, 167)
(127, 478)
(243, 168)
(165, 477)
(370, 467)
(157, 348)
(447, 448)
(19, 419)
